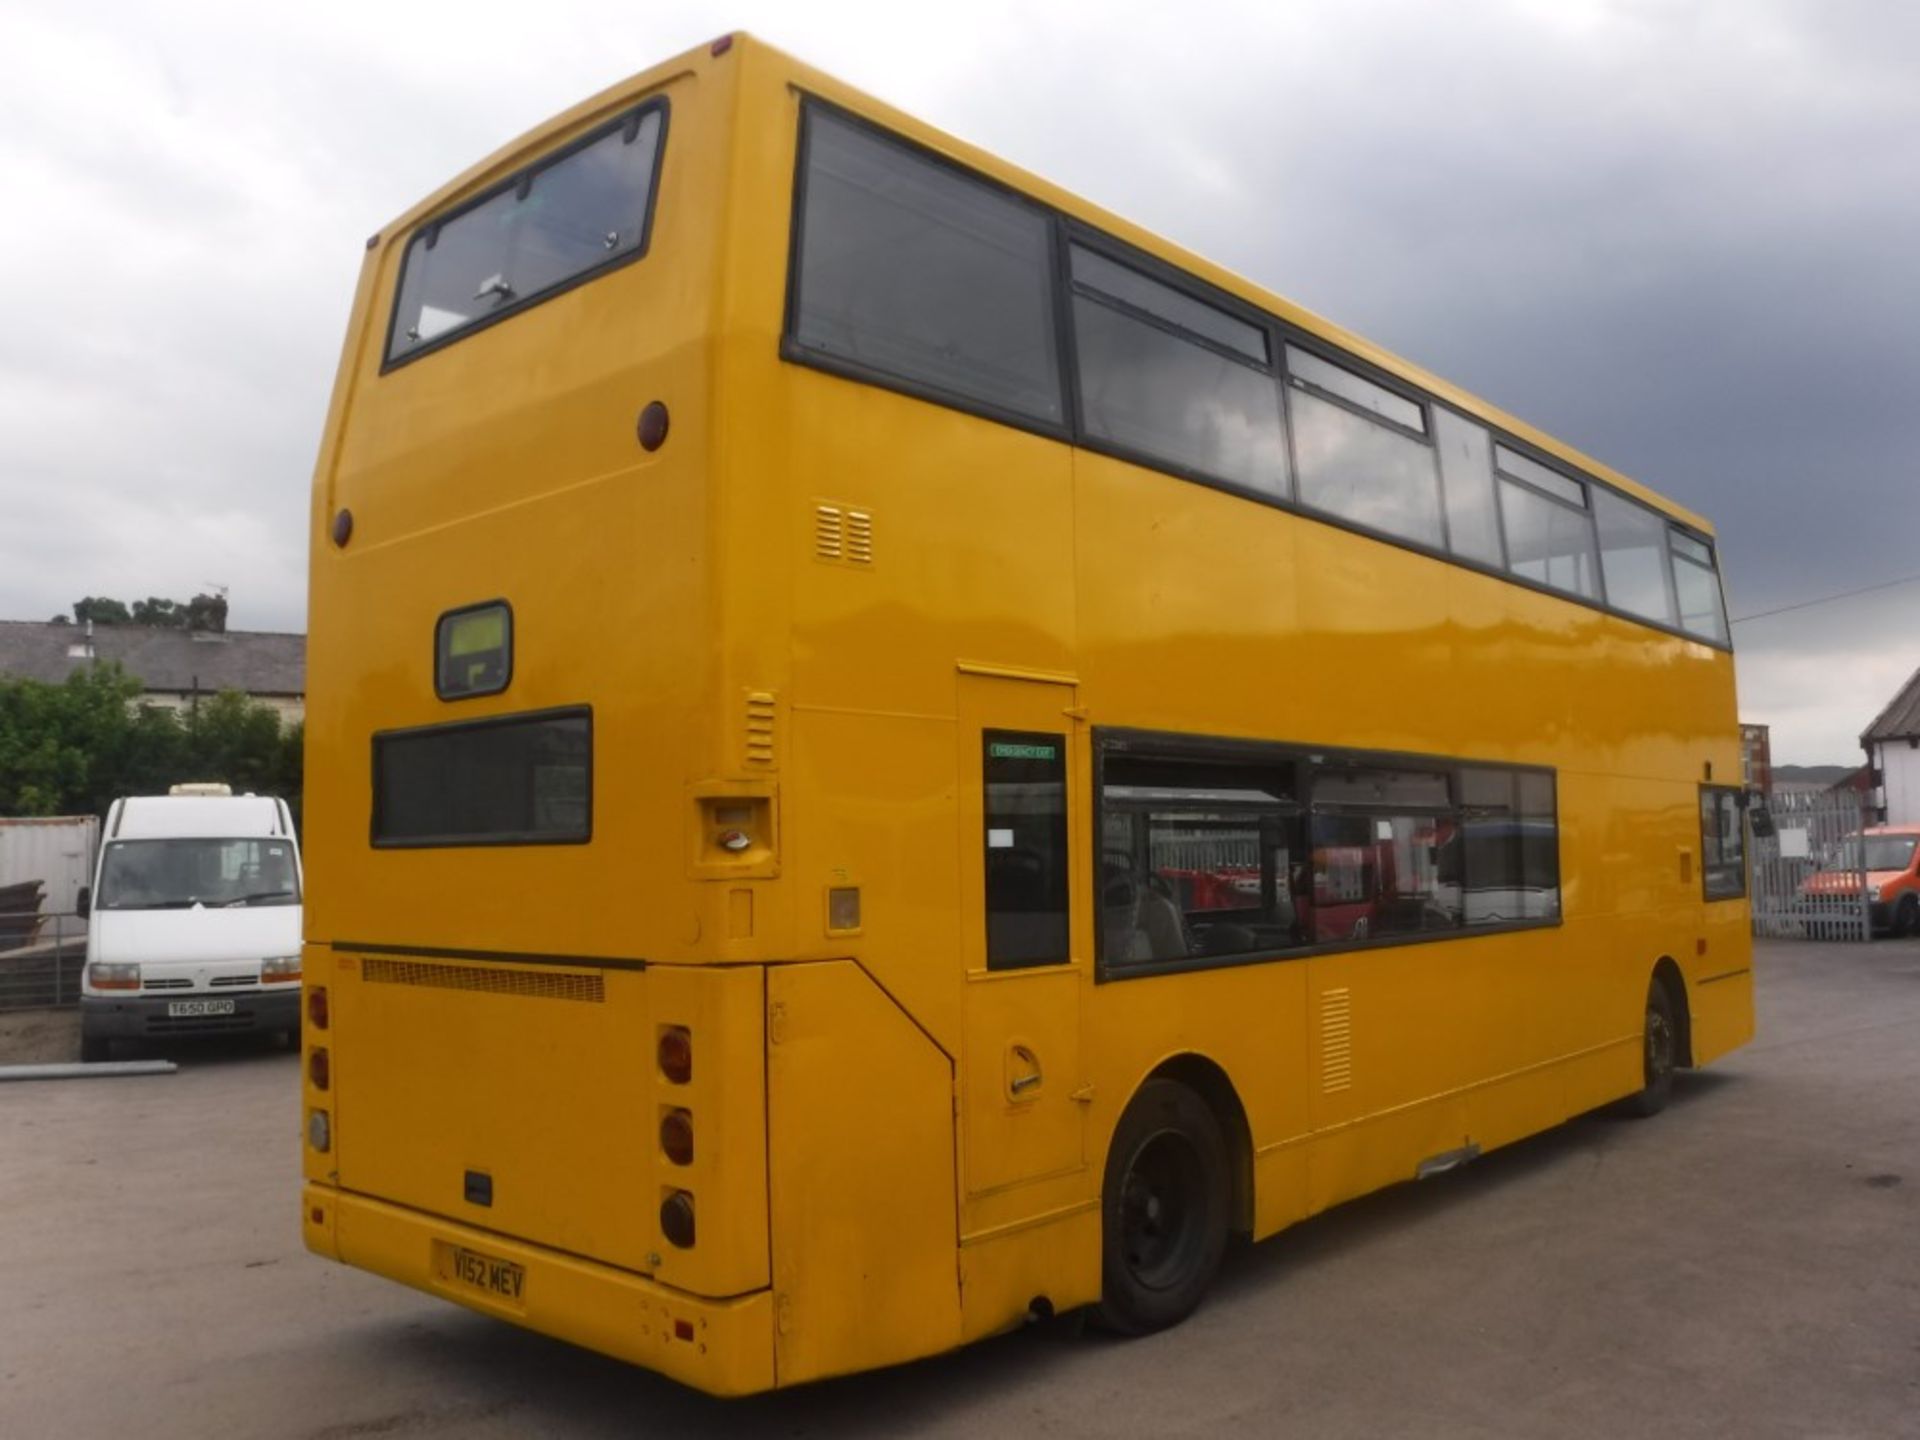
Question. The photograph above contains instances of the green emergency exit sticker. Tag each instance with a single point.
(1007, 750)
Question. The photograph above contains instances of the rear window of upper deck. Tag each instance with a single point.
(564, 219)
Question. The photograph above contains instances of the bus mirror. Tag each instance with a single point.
(83, 901)
(1761, 819)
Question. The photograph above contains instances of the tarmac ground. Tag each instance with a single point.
(1747, 1264)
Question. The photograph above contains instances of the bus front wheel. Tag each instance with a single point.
(1660, 1054)
(1164, 1209)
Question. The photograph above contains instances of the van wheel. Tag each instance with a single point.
(94, 1049)
(1906, 916)
(1163, 1210)
(1660, 1055)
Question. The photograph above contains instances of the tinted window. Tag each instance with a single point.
(1509, 847)
(554, 223)
(916, 271)
(1697, 588)
(1150, 391)
(1549, 542)
(1199, 860)
(1723, 862)
(1356, 390)
(1130, 287)
(1633, 557)
(1466, 470)
(1513, 463)
(1365, 472)
(1026, 848)
(518, 780)
(1377, 854)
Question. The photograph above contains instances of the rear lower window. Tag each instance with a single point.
(555, 223)
(517, 780)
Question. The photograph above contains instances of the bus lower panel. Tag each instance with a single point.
(724, 1347)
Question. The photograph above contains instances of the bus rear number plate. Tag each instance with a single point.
(501, 1278)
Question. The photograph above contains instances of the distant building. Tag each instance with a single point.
(1892, 743)
(1756, 758)
(176, 668)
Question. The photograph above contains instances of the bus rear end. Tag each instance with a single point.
(512, 1096)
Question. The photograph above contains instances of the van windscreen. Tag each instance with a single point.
(180, 873)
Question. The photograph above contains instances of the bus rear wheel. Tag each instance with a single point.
(1164, 1210)
(1660, 1054)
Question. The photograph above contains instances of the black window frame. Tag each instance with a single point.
(793, 349)
(490, 841)
(1735, 796)
(633, 117)
(1308, 759)
(1068, 230)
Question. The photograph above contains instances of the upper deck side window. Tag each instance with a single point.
(560, 221)
(913, 273)
(1168, 376)
(1549, 528)
(1361, 451)
(918, 275)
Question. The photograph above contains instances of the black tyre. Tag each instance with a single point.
(94, 1049)
(1660, 1054)
(1906, 915)
(1164, 1207)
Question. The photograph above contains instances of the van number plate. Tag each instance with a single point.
(500, 1278)
(183, 1008)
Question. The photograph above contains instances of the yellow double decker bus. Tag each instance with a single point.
(890, 754)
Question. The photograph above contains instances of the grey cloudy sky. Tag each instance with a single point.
(1684, 237)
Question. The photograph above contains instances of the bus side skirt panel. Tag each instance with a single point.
(861, 1154)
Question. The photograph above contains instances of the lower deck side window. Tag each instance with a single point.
(1215, 851)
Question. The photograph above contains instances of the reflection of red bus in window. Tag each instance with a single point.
(1372, 875)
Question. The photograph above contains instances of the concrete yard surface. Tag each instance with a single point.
(1747, 1264)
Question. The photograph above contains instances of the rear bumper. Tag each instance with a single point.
(146, 1017)
(724, 1347)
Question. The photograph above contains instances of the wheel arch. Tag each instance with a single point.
(1210, 1082)
(1667, 974)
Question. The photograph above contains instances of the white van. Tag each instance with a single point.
(195, 927)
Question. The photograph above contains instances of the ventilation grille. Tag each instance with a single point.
(842, 534)
(760, 727)
(1336, 1040)
(534, 984)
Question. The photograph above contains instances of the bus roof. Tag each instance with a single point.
(741, 48)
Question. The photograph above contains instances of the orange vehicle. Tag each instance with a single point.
(1891, 862)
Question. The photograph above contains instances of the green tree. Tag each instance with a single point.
(101, 610)
(159, 613)
(75, 747)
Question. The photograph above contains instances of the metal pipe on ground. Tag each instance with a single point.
(98, 1069)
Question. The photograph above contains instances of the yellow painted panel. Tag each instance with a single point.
(860, 1144)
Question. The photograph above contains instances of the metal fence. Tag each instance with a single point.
(41, 960)
(1808, 879)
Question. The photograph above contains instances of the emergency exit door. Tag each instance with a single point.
(1022, 864)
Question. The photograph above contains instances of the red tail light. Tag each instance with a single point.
(676, 1136)
(676, 1218)
(317, 1007)
(676, 1053)
(319, 1068)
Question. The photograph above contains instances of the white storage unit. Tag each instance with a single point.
(57, 851)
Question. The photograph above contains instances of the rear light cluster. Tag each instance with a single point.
(675, 1056)
(319, 1071)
